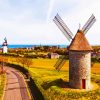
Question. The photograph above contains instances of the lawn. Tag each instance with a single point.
(52, 83)
(96, 68)
(2, 83)
(48, 64)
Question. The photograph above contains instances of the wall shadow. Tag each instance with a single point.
(59, 82)
(34, 89)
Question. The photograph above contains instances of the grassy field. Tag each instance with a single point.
(53, 84)
(2, 83)
(48, 64)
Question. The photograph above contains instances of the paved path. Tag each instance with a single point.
(15, 86)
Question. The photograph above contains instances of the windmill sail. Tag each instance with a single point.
(60, 62)
(89, 24)
(63, 27)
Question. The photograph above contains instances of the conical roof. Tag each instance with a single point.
(80, 43)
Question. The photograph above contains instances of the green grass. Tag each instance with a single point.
(52, 83)
(2, 83)
(46, 79)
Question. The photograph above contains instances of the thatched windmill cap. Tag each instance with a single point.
(80, 43)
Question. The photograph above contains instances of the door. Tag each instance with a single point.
(83, 83)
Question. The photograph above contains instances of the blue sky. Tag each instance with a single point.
(30, 21)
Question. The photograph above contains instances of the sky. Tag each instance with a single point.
(31, 21)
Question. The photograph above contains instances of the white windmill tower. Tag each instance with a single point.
(4, 45)
(79, 54)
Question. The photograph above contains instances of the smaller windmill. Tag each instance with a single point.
(79, 54)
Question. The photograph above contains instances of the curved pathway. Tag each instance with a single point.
(15, 86)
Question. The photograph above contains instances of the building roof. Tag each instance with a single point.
(4, 44)
(80, 43)
(53, 53)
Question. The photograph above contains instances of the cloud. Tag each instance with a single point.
(25, 22)
(49, 11)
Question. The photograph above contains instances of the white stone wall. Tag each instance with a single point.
(5, 49)
(54, 56)
(79, 68)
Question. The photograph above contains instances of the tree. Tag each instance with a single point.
(3, 60)
(28, 62)
(22, 60)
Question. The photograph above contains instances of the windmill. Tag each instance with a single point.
(79, 54)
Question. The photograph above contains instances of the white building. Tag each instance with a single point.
(53, 55)
(4, 45)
